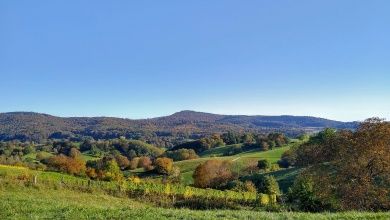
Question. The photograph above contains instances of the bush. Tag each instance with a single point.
(264, 184)
(112, 171)
(91, 173)
(182, 154)
(240, 186)
(163, 165)
(62, 163)
(250, 168)
(29, 149)
(264, 164)
(134, 163)
(213, 174)
(271, 186)
(105, 169)
(288, 159)
(146, 163)
(302, 196)
(122, 161)
(41, 156)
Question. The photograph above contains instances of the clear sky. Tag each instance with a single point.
(139, 59)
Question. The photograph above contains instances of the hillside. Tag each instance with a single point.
(162, 131)
(48, 201)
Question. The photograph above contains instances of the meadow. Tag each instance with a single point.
(240, 160)
(20, 201)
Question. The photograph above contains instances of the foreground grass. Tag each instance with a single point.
(33, 203)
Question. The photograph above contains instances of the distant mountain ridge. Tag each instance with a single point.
(37, 126)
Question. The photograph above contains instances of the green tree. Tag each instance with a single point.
(263, 164)
(28, 150)
(112, 170)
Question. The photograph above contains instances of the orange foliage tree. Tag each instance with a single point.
(350, 170)
(62, 163)
(213, 173)
(163, 165)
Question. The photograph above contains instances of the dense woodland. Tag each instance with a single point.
(163, 131)
(338, 169)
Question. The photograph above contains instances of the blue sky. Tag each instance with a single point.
(140, 59)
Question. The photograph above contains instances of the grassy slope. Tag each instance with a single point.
(285, 177)
(32, 203)
(18, 202)
(219, 151)
(187, 167)
(33, 156)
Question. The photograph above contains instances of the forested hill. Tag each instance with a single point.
(184, 124)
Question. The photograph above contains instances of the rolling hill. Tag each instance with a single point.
(161, 131)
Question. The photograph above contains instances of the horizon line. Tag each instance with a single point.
(154, 117)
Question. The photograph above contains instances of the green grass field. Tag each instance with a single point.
(33, 156)
(219, 151)
(34, 203)
(20, 201)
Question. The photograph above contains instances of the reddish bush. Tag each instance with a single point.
(146, 163)
(122, 161)
(62, 163)
(213, 174)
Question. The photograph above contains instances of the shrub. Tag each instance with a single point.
(73, 152)
(122, 161)
(112, 171)
(213, 174)
(274, 167)
(288, 159)
(134, 179)
(29, 149)
(134, 163)
(302, 196)
(163, 165)
(264, 164)
(182, 154)
(106, 169)
(74, 166)
(41, 156)
(264, 184)
(240, 186)
(146, 163)
(271, 186)
(264, 199)
(250, 168)
(91, 173)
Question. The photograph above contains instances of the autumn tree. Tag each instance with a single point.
(146, 163)
(163, 165)
(213, 174)
(62, 163)
(182, 154)
(122, 161)
(74, 153)
(134, 163)
(105, 169)
(351, 168)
